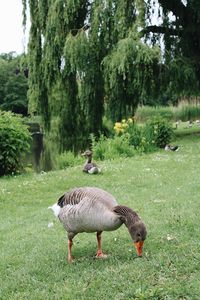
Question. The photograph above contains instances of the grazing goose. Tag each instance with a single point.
(91, 209)
(90, 167)
(172, 148)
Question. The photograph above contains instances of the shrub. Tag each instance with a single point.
(135, 135)
(158, 132)
(120, 146)
(130, 138)
(99, 146)
(15, 142)
(109, 148)
(130, 130)
(67, 159)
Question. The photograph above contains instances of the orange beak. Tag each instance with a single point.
(138, 246)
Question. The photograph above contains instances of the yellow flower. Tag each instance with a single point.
(130, 120)
(124, 125)
(117, 125)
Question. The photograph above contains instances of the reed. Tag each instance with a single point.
(172, 113)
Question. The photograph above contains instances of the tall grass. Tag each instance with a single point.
(186, 113)
(144, 113)
(181, 112)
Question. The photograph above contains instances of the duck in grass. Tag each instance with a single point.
(89, 166)
(91, 209)
(172, 148)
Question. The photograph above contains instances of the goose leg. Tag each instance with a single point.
(100, 254)
(70, 257)
(70, 243)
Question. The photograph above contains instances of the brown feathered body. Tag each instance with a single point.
(88, 210)
(90, 166)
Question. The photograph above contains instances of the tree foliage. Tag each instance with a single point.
(71, 45)
(129, 75)
(13, 83)
(90, 57)
(179, 30)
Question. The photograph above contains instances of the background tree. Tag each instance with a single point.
(13, 84)
(90, 58)
(72, 51)
(178, 31)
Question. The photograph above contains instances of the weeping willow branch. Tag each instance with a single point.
(160, 29)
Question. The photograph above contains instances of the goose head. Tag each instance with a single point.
(134, 224)
(138, 234)
(87, 153)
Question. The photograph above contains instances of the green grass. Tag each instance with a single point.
(162, 187)
(183, 129)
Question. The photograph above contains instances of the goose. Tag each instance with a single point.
(91, 209)
(172, 148)
(90, 167)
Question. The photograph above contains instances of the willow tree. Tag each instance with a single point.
(178, 31)
(85, 56)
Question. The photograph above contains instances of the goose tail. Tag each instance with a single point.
(94, 170)
(55, 208)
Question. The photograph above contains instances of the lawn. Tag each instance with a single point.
(162, 187)
(183, 129)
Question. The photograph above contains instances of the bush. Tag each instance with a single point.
(158, 132)
(130, 139)
(120, 146)
(15, 142)
(110, 148)
(134, 134)
(68, 159)
(99, 147)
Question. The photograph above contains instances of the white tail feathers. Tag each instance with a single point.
(56, 209)
(94, 170)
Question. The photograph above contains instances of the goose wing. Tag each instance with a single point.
(88, 209)
(92, 194)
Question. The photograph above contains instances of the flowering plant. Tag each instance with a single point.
(123, 126)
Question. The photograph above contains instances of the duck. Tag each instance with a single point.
(90, 167)
(172, 148)
(92, 209)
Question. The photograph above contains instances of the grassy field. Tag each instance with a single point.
(183, 129)
(162, 187)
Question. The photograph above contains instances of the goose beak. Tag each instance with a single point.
(138, 246)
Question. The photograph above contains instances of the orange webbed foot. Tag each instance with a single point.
(101, 255)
